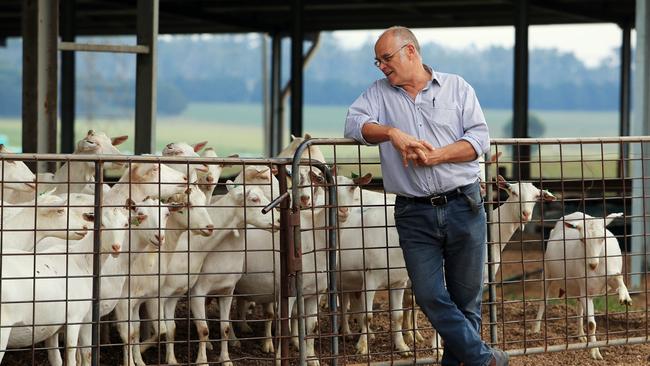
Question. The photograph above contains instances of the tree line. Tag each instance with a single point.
(229, 69)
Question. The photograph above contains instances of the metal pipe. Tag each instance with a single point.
(286, 245)
(97, 266)
(297, 251)
(332, 251)
(494, 337)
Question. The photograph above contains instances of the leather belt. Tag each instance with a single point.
(435, 199)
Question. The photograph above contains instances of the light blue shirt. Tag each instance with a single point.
(444, 112)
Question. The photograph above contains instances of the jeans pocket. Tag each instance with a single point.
(401, 208)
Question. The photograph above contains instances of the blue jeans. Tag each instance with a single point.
(445, 245)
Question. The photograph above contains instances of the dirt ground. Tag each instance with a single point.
(514, 323)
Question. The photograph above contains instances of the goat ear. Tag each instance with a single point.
(307, 136)
(315, 178)
(293, 137)
(199, 145)
(570, 225)
(90, 133)
(230, 185)
(130, 204)
(253, 197)
(88, 216)
(3, 149)
(502, 183)
(119, 139)
(548, 196)
(611, 217)
(203, 168)
(362, 181)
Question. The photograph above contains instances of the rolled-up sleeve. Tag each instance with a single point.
(364, 110)
(474, 125)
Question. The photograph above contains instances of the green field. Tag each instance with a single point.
(238, 129)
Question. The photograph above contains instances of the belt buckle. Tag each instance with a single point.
(438, 200)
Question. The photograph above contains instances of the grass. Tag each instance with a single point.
(238, 128)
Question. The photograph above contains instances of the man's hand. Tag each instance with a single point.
(407, 145)
(424, 154)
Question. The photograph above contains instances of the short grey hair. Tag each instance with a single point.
(404, 35)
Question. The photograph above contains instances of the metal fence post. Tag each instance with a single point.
(97, 262)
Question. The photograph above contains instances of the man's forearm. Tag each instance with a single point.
(458, 152)
(375, 133)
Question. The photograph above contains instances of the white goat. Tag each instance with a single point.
(370, 260)
(207, 182)
(51, 217)
(250, 247)
(234, 210)
(143, 270)
(16, 180)
(262, 259)
(313, 152)
(81, 174)
(184, 149)
(143, 180)
(579, 244)
(513, 214)
(188, 213)
(53, 288)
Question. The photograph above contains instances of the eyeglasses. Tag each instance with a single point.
(386, 59)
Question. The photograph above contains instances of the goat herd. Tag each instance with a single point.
(165, 233)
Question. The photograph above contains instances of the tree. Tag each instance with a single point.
(536, 127)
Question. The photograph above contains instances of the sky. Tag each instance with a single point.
(591, 43)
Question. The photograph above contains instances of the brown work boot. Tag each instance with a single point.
(499, 358)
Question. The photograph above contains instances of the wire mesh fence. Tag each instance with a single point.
(176, 263)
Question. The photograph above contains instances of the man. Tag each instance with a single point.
(430, 130)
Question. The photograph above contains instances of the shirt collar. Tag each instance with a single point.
(434, 75)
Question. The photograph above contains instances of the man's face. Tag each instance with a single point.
(393, 59)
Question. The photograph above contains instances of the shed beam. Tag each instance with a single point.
(297, 36)
(40, 33)
(68, 77)
(276, 127)
(624, 94)
(520, 102)
(145, 82)
(641, 126)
